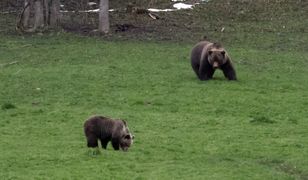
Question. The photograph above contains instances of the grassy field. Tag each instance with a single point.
(255, 128)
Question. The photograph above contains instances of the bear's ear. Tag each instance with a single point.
(210, 52)
(223, 53)
(124, 122)
(127, 136)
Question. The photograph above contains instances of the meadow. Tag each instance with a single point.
(254, 128)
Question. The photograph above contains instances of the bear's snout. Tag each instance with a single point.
(215, 65)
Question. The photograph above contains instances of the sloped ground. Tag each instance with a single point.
(184, 128)
(229, 21)
(232, 21)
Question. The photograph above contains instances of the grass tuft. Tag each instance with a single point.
(262, 119)
(93, 152)
(6, 106)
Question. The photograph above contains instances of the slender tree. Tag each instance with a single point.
(104, 16)
(54, 13)
(38, 15)
(25, 15)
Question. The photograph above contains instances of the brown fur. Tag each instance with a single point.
(206, 57)
(106, 129)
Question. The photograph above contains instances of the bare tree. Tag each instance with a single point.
(54, 13)
(25, 15)
(104, 16)
(38, 14)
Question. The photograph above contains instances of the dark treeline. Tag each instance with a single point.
(39, 15)
(14, 5)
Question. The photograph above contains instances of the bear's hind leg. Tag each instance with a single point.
(196, 69)
(92, 141)
(206, 70)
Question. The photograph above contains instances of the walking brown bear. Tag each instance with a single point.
(206, 57)
(106, 129)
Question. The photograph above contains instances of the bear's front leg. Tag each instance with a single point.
(229, 71)
(92, 140)
(104, 143)
(115, 144)
(206, 72)
(204, 78)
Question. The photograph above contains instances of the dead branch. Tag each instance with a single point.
(137, 10)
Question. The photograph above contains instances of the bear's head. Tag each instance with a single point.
(127, 138)
(216, 55)
(126, 141)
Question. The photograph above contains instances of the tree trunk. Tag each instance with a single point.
(54, 13)
(38, 14)
(104, 16)
(26, 13)
(46, 11)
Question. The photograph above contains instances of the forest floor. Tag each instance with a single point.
(259, 24)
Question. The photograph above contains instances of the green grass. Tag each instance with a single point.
(255, 128)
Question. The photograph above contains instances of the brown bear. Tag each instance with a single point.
(106, 129)
(206, 57)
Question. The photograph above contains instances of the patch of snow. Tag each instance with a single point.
(182, 6)
(176, 6)
(91, 3)
(160, 10)
(92, 10)
(185, 0)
